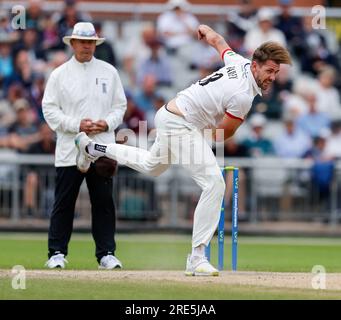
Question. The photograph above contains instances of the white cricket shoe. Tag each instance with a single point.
(83, 159)
(56, 261)
(110, 262)
(199, 266)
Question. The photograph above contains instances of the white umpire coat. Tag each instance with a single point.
(76, 91)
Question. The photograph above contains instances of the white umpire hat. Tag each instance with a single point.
(83, 31)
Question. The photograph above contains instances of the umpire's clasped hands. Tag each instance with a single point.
(93, 127)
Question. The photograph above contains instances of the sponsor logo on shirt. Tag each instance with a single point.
(244, 70)
(103, 83)
(231, 72)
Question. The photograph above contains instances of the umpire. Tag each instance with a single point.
(84, 94)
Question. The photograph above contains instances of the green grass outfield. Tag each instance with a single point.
(167, 252)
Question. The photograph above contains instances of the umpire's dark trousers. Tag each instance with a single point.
(68, 182)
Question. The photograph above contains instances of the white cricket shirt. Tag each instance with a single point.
(76, 91)
(229, 90)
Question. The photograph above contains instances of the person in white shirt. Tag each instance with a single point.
(177, 26)
(82, 95)
(328, 97)
(263, 32)
(219, 101)
(293, 142)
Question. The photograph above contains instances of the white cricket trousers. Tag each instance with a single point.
(179, 142)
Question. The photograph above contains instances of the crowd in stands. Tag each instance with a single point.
(166, 57)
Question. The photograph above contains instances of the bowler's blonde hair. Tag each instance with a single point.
(272, 51)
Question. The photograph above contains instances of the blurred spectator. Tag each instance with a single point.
(295, 105)
(35, 16)
(291, 26)
(56, 59)
(318, 150)
(146, 94)
(322, 173)
(328, 97)
(23, 71)
(50, 39)
(31, 43)
(6, 27)
(7, 112)
(314, 121)
(206, 58)
(158, 102)
(45, 145)
(233, 149)
(256, 144)
(263, 32)
(36, 94)
(129, 130)
(293, 143)
(105, 50)
(147, 98)
(4, 141)
(333, 146)
(295, 102)
(132, 58)
(315, 53)
(156, 64)
(7, 117)
(6, 59)
(239, 23)
(132, 116)
(23, 132)
(177, 26)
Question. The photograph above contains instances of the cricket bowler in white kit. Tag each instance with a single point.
(219, 101)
